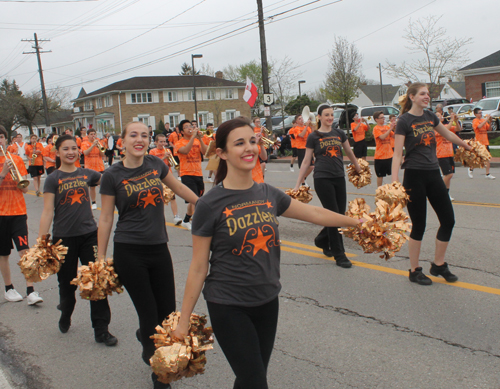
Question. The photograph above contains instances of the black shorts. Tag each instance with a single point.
(301, 153)
(447, 165)
(262, 160)
(294, 152)
(13, 228)
(35, 171)
(50, 169)
(383, 167)
(360, 149)
(195, 183)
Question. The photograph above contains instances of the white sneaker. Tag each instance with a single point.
(306, 184)
(451, 198)
(489, 177)
(177, 220)
(13, 296)
(94, 206)
(34, 298)
(210, 179)
(470, 173)
(186, 225)
(291, 169)
(179, 178)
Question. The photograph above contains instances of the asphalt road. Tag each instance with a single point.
(364, 327)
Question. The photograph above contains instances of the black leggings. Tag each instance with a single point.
(146, 272)
(428, 184)
(246, 336)
(80, 247)
(333, 196)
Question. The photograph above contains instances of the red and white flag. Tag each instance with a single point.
(251, 93)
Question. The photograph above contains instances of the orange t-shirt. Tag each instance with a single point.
(257, 129)
(444, 148)
(206, 139)
(12, 148)
(383, 148)
(29, 152)
(481, 133)
(11, 198)
(300, 142)
(47, 152)
(93, 160)
(257, 175)
(78, 142)
(160, 154)
(190, 163)
(359, 134)
(173, 138)
(119, 143)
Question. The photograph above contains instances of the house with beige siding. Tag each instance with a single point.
(154, 98)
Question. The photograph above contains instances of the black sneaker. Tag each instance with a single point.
(64, 324)
(157, 384)
(343, 262)
(138, 335)
(419, 277)
(106, 338)
(328, 252)
(443, 271)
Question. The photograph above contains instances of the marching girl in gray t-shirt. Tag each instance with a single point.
(236, 241)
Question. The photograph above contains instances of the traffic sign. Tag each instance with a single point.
(268, 98)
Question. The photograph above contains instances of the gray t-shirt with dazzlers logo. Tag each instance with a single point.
(327, 149)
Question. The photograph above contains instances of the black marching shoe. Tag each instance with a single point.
(64, 324)
(343, 262)
(328, 252)
(106, 338)
(138, 335)
(419, 277)
(444, 271)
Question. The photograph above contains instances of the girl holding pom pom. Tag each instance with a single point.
(236, 241)
(422, 179)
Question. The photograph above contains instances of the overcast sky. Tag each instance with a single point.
(92, 40)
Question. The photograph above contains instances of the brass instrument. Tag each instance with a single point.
(208, 133)
(172, 162)
(14, 171)
(101, 148)
(33, 159)
(267, 142)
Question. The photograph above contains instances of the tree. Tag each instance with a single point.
(206, 70)
(295, 106)
(187, 70)
(283, 80)
(10, 95)
(344, 74)
(31, 108)
(441, 55)
(160, 127)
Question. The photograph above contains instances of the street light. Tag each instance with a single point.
(301, 82)
(381, 85)
(193, 56)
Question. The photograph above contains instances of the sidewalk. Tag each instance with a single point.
(495, 162)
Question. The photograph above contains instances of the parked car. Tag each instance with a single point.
(489, 106)
(342, 121)
(461, 109)
(367, 112)
(448, 102)
(276, 121)
(284, 125)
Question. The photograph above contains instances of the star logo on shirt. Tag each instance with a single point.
(149, 199)
(60, 182)
(85, 177)
(155, 172)
(332, 152)
(260, 242)
(76, 198)
(124, 182)
(269, 204)
(227, 212)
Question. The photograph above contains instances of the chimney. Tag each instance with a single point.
(219, 75)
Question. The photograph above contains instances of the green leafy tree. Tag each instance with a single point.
(160, 127)
(295, 106)
(10, 96)
(344, 74)
(31, 108)
(187, 70)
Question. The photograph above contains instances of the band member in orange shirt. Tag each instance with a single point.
(359, 127)
(49, 155)
(173, 138)
(481, 126)
(34, 152)
(291, 134)
(17, 147)
(301, 132)
(93, 160)
(383, 149)
(190, 150)
(162, 152)
(13, 222)
(257, 128)
(257, 175)
(444, 150)
(207, 140)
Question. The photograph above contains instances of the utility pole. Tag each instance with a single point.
(263, 58)
(381, 87)
(42, 83)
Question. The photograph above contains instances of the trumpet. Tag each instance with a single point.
(267, 142)
(172, 162)
(101, 148)
(33, 159)
(14, 171)
(207, 132)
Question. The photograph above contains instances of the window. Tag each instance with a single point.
(202, 119)
(88, 105)
(144, 119)
(108, 101)
(98, 102)
(230, 115)
(171, 96)
(174, 119)
(145, 97)
(492, 88)
(191, 95)
(210, 94)
(229, 94)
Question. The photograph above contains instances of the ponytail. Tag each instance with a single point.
(405, 101)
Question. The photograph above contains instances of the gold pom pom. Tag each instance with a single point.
(168, 194)
(303, 194)
(394, 193)
(97, 280)
(474, 158)
(362, 178)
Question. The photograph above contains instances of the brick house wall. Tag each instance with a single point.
(474, 84)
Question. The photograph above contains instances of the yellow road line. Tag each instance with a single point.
(305, 246)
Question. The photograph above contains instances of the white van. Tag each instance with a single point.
(367, 112)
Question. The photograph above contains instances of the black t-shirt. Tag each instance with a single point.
(327, 149)
(245, 260)
(139, 200)
(72, 212)
(420, 140)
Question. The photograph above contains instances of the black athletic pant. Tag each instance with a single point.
(110, 154)
(246, 336)
(428, 184)
(333, 196)
(147, 273)
(80, 247)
